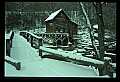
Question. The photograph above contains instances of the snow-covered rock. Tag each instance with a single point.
(95, 26)
(107, 58)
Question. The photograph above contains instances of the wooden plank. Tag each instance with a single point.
(15, 63)
(70, 55)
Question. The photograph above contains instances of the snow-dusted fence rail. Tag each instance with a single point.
(13, 62)
(8, 42)
(32, 38)
(104, 66)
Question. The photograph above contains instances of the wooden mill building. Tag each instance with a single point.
(59, 22)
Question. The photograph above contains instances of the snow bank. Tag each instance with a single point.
(95, 26)
(81, 50)
(107, 58)
(34, 66)
(22, 50)
(51, 68)
(110, 53)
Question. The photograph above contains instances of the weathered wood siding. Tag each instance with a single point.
(61, 23)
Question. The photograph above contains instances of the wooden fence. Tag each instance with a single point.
(8, 42)
(8, 46)
(104, 67)
(15, 63)
(31, 38)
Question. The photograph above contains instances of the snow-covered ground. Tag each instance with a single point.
(49, 68)
(33, 66)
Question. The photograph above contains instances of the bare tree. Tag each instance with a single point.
(91, 32)
(101, 28)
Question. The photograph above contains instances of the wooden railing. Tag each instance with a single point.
(31, 38)
(8, 42)
(55, 39)
(15, 63)
(104, 67)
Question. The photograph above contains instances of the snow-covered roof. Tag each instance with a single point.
(53, 15)
(73, 21)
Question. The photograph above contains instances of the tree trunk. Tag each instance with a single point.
(100, 29)
(91, 32)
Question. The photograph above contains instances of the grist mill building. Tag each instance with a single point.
(59, 22)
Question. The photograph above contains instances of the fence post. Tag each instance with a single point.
(40, 44)
(100, 72)
(11, 43)
(107, 67)
(8, 47)
(18, 65)
(31, 41)
(75, 43)
(11, 37)
(27, 37)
